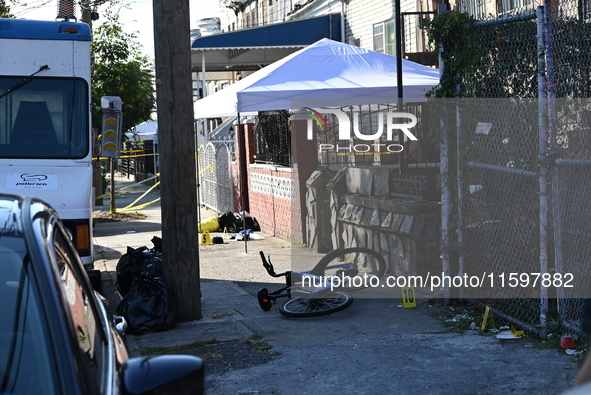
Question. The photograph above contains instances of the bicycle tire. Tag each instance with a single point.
(365, 260)
(313, 307)
(263, 298)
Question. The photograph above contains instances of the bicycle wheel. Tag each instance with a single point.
(263, 298)
(358, 267)
(314, 307)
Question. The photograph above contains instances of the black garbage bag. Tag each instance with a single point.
(148, 307)
(137, 263)
(227, 221)
(233, 222)
(157, 241)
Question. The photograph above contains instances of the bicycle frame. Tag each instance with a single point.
(286, 291)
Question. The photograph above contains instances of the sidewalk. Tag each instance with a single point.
(372, 347)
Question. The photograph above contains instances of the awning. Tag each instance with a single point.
(251, 49)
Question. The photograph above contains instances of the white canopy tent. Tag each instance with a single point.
(144, 131)
(325, 74)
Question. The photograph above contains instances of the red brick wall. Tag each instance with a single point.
(272, 212)
(278, 212)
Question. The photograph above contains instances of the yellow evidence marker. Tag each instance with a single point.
(408, 297)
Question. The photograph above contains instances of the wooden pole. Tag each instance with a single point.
(180, 239)
(112, 193)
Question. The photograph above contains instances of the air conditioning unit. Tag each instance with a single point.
(355, 41)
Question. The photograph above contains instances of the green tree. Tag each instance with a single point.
(5, 10)
(121, 70)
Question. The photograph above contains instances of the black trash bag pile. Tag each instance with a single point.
(135, 262)
(148, 305)
(232, 222)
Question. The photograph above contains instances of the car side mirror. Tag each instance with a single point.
(164, 374)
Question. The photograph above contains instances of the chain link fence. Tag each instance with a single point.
(520, 161)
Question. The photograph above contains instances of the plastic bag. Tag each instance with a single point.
(211, 224)
(149, 306)
(233, 222)
(136, 264)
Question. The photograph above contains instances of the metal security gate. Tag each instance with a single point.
(215, 186)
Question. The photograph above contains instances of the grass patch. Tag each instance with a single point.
(257, 342)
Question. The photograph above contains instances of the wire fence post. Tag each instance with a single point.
(460, 215)
(446, 204)
(542, 157)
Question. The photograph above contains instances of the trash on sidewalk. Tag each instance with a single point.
(567, 342)
(510, 334)
(210, 224)
(131, 265)
(217, 240)
(147, 304)
(234, 222)
(250, 235)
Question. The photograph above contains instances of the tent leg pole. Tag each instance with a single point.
(243, 178)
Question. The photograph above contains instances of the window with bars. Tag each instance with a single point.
(273, 138)
(517, 5)
(477, 8)
(357, 152)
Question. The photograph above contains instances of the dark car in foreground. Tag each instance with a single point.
(55, 335)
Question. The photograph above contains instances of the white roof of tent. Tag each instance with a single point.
(144, 131)
(324, 74)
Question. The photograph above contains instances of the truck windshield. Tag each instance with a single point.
(44, 119)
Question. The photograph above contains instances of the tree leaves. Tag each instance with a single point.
(121, 70)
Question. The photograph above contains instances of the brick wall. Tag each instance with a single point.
(269, 193)
(276, 195)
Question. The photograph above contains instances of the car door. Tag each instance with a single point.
(97, 366)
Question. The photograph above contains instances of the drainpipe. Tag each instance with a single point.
(204, 92)
(399, 106)
(343, 39)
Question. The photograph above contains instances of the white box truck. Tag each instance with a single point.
(45, 121)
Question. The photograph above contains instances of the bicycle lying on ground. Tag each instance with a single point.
(328, 284)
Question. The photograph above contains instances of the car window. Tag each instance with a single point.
(26, 360)
(85, 319)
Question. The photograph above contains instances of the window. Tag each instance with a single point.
(475, 8)
(273, 138)
(27, 360)
(384, 37)
(44, 118)
(378, 38)
(87, 324)
(516, 5)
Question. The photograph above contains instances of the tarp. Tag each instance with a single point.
(324, 74)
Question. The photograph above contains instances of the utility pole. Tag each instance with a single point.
(85, 11)
(97, 175)
(177, 155)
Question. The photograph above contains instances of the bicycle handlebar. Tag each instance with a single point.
(269, 266)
